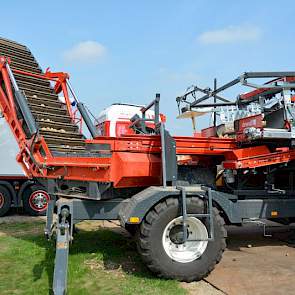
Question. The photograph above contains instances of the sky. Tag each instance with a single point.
(127, 51)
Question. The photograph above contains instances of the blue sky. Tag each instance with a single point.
(126, 51)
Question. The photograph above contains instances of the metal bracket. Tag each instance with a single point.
(260, 223)
(169, 160)
(49, 228)
(139, 123)
(208, 215)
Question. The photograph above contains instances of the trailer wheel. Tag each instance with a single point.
(35, 200)
(5, 200)
(161, 247)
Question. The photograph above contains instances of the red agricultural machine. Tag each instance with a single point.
(174, 194)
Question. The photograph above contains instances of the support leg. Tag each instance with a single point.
(63, 239)
(49, 219)
(49, 228)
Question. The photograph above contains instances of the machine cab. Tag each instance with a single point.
(115, 121)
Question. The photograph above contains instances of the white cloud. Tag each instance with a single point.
(85, 52)
(231, 34)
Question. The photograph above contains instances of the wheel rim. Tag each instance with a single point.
(188, 251)
(1, 200)
(38, 200)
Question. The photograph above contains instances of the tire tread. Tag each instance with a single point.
(144, 247)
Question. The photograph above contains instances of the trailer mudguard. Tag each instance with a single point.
(139, 205)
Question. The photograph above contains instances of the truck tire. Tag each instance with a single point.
(5, 200)
(161, 248)
(35, 200)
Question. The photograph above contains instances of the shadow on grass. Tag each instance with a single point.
(47, 264)
(104, 250)
(113, 252)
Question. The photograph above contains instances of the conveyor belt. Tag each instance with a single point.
(51, 115)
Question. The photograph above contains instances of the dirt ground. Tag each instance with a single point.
(251, 264)
(254, 264)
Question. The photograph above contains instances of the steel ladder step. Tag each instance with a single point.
(30, 79)
(13, 44)
(65, 141)
(65, 126)
(40, 94)
(11, 52)
(46, 102)
(60, 132)
(47, 109)
(21, 60)
(38, 87)
(52, 117)
(25, 68)
(64, 148)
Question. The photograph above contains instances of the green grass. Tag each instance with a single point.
(101, 262)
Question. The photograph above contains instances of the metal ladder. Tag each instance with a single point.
(169, 173)
(208, 215)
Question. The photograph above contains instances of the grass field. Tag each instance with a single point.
(101, 262)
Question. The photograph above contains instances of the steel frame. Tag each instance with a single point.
(127, 150)
(143, 151)
(254, 156)
(70, 212)
(242, 79)
(135, 161)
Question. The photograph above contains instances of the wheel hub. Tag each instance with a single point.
(39, 200)
(195, 245)
(176, 234)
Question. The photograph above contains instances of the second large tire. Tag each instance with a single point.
(35, 200)
(5, 200)
(151, 245)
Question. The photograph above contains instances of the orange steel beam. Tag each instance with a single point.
(184, 144)
(254, 157)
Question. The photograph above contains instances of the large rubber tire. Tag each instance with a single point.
(5, 200)
(29, 195)
(151, 248)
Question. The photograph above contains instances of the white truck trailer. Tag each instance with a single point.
(16, 190)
